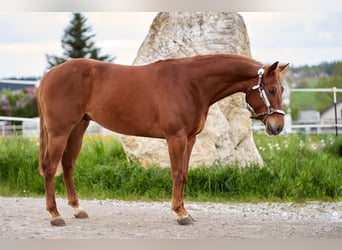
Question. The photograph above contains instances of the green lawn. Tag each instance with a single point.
(297, 168)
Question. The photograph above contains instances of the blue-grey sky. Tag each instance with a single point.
(295, 37)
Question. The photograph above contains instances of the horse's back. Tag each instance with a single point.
(120, 98)
(135, 100)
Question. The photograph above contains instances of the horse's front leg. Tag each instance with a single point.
(179, 150)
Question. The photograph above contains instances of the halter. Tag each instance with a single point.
(269, 109)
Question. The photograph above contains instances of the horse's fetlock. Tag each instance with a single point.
(73, 203)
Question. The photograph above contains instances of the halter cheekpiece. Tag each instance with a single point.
(260, 87)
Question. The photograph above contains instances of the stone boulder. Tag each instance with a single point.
(227, 135)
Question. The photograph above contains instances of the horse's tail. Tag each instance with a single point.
(43, 142)
(43, 139)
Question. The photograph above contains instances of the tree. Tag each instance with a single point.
(77, 43)
(337, 70)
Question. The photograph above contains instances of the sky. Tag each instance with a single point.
(297, 38)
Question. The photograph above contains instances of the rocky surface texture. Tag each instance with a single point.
(227, 136)
(24, 218)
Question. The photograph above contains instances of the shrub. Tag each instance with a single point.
(18, 103)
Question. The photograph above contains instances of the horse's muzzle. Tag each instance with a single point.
(274, 126)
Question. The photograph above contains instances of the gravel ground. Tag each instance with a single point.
(26, 218)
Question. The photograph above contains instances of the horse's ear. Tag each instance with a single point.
(283, 67)
(273, 67)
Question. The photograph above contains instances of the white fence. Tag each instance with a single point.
(307, 128)
(334, 91)
(30, 126)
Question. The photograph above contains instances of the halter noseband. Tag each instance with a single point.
(269, 109)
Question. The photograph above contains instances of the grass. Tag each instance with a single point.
(305, 100)
(297, 168)
(304, 166)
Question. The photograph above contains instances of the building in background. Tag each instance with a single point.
(18, 84)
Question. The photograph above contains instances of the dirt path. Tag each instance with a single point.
(26, 218)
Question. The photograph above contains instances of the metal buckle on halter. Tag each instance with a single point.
(260, 73)
(264, 98)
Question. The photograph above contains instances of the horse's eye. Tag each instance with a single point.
(272, 91)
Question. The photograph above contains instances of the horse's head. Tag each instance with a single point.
(264, 99)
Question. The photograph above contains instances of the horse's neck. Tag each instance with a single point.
(221, 77)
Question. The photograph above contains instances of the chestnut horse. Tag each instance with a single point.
(167, 99)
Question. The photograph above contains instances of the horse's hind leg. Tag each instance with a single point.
(55, 148)
(68, 162)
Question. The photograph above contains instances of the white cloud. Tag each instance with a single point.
(298, 56)
(120, 24)
(298, 37)
(124, 50)
(25, 48)
(32, 26)
(27, 37)
(295, 37)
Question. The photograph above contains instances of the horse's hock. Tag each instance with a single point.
(227, 135)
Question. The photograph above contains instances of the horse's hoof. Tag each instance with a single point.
(185, 220)
(57, 221)
(79, 213)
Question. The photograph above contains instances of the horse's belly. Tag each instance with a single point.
(130, 126)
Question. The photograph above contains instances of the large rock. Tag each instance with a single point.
(227, 136)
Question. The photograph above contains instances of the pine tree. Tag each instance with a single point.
(77, 43)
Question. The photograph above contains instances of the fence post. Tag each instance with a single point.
(335, 107)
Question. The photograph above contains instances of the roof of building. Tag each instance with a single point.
(17, 84)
